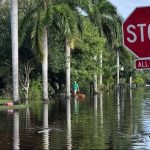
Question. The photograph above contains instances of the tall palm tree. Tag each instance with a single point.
(14, 38)
(104, 15)
(45, 52)
(66, 21)
(37, 18)
(118, 43)
(45, 66)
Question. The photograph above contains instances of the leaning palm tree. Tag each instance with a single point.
(14, 38)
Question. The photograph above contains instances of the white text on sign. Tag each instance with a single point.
(142, 64)
(132, 27)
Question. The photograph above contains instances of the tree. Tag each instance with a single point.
(66, 21)
(86, 48)
(40, 13)
(25, 72)
(14, 38)
(104, 15)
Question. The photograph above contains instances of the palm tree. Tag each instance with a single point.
(104, 15)
(45, 66)
(14, 38)
(118, 41)
(37, 18)
(66, 22)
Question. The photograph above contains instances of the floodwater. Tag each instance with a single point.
(105, 121)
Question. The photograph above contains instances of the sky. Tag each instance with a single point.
(125, 7)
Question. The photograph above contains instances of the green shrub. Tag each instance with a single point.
(138, 81)
(35, 90)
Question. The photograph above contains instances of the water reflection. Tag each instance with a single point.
(118, 108)
(131, 110)
(130, 94)
(122, 103)
(76, 109)
(27, 118)
(16, 140)
(102, 127)
(45, 126)
(76, 105)
(101, 108)
(111, 121)
(95, 115)
(69, 134)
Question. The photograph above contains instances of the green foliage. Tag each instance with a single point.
(5, 42)
(66, 19)
(138, 79)
(93, 26)
(86, 48)
(36, 19)
(4, 100)
(109, 69)
(56, 51)
(35, 90)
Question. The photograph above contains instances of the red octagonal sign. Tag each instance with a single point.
(136, 32)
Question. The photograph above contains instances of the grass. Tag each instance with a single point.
(19, 106)
(2, 101)
(22, 106)
(3, 107)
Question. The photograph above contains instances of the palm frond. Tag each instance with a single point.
(46, 11)
(25, 23)
(37, 37)
(106, 7)
(67, 19)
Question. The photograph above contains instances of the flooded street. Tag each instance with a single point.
(105, 121)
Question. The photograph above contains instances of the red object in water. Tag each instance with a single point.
(9, 103)
(81, 96)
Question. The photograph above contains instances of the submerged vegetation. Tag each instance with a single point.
(89, 30)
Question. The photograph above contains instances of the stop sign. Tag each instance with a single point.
(136, 32)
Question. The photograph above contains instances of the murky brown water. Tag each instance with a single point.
(108, 121)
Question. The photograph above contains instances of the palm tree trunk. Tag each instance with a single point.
(101, 66)
(67, 69)
(130, 81)
(95, 79)
(118, 82)
(95, 83)
(14, 38)
(45, 67)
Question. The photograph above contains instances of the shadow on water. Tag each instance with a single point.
(112, 120)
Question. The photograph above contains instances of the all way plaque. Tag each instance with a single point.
(142, 64)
